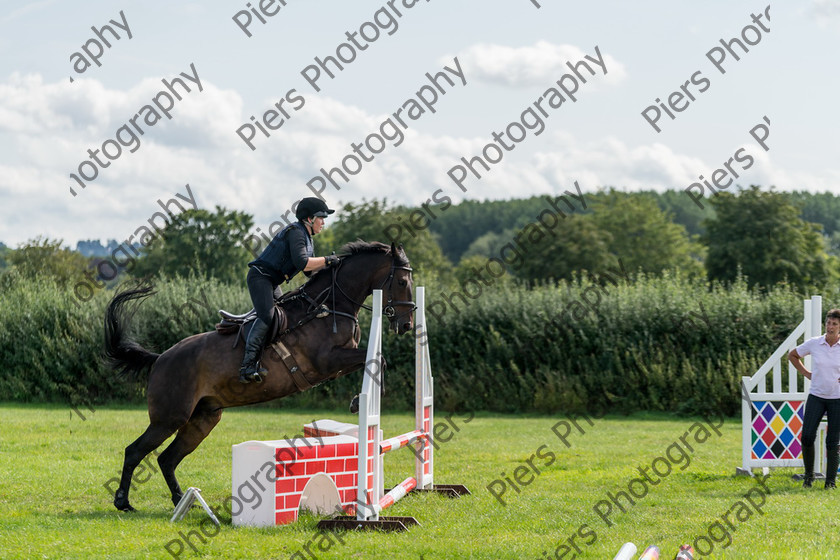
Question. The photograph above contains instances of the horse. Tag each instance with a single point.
(191, 383)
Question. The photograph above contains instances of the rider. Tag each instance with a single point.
(287, 254)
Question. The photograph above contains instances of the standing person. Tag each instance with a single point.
(823, 398)
(289, 252)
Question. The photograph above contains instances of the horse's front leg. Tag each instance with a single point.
(354, 404)
(347, 360)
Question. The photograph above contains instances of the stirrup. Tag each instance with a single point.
(253, 373)
(248, 377)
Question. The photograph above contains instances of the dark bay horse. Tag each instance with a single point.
(191, 383)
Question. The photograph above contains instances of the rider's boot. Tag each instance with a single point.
(251, 370)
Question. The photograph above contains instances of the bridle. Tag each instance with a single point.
(390, 306)
(320, 310)
(389, 310)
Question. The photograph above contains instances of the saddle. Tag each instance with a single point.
(242, 324)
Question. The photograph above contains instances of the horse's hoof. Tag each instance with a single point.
(121, 501)
(176, 499)
(354, 405)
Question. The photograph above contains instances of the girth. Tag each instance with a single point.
(289, 360)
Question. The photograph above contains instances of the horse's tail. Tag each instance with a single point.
(121, 352)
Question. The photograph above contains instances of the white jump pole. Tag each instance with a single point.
(371, 448)
(369, 489)
(424, 419)
(370, 493)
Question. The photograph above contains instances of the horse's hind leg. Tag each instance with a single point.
(151, 439)
(189, 436)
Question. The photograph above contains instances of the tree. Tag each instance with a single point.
(375, 221)
(207, 244)
(488, 245)
(574, 245)
(42, 257)
(477, 266)
(761, 235)
(457, 226)
(4, 253)
(643, 235)
(681, 209)
(819, 208)
(833, 243)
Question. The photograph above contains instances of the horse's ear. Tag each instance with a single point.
(394, 248)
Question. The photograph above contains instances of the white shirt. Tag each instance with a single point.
(825, 366)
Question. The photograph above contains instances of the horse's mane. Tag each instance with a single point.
(359, 246)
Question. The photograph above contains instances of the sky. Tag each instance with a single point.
(422, 84)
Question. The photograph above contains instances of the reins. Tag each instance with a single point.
(388, 310)
(317, 309)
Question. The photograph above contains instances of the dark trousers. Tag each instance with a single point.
(815, 408)
(263, 292)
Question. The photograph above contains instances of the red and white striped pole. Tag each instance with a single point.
(400, 441)
(397, 492)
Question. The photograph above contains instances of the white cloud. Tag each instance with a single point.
(51, 126)
(826, 8)
(28, 8)
(564, 160)
(826, 13)
(536, 65)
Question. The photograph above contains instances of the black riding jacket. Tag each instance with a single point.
(286, 254)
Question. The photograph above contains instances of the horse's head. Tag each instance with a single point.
(387, 269)
(399, 307)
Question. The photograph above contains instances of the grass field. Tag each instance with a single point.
(54, 468)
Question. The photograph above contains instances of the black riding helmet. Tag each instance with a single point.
(311, 206)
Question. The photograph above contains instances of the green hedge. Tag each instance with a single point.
(657, 344)
(51, 342)
(667, 343)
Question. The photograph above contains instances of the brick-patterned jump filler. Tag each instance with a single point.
(328, 471)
